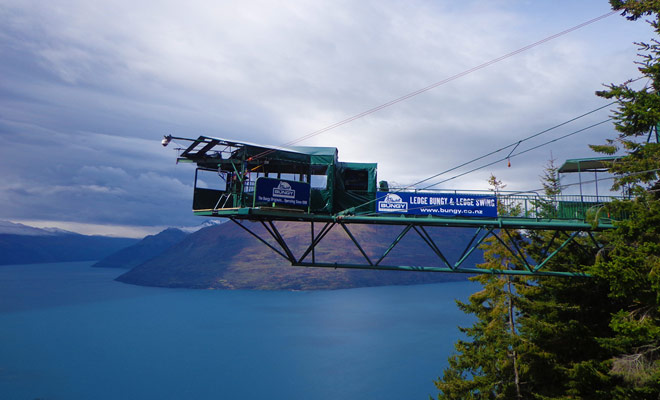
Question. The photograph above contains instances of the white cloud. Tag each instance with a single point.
(90, 87)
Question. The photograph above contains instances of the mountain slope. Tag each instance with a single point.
(149, 247)
(29, 249)
(12, 228)
(225, 256)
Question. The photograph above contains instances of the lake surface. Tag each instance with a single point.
(68, 331)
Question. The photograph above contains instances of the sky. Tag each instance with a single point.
(88, 89)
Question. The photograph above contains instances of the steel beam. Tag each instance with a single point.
(515, 251)
(413, 268)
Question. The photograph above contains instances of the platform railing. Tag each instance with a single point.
(550, 207)
(534, 205)
(510, 204)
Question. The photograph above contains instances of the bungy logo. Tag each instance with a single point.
(392, 203)
(283, 190)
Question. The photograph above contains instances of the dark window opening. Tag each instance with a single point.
(355, 179)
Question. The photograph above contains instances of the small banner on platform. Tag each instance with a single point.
(439, 204)
(271, 191)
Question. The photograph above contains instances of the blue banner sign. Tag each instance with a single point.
(277, 191)
(440, 204)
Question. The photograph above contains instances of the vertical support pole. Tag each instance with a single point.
(324, 231)
(236, 187)
(580, 180)
(194, 188)
(312, 241)
(557, 197)
(241, 179)
(596, 180)
(195, 185)
(526, 209)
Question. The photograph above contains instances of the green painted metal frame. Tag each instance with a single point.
(274, 214)
(484, 228)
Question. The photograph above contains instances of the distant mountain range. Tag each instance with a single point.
(226, 257)
(21, 244)
(146, 249)
(12, 228)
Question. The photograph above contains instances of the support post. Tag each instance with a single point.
(313, 252)
(324, 231)
(580, 180)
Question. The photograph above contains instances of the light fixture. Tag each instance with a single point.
(166, 140)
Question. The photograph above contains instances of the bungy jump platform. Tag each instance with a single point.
(247, 182)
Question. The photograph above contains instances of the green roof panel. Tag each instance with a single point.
(588, 164)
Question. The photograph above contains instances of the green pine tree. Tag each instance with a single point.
(598, 338)
(487, 364)
(638, 114)
(562, 319)
(630, 263)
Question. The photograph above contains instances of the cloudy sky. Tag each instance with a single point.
(88, 88)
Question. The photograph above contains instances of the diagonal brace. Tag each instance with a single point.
(429, 241)
(260, 239)
(551, 255)
(394, 243)
(466, 252)
(499, 239)
(350, 235)
(521, 256)
(279, 239)
(315, 241)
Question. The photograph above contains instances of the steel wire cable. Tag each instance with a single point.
(519, 153)
(510, 145)
(434, 85)
(501, 159)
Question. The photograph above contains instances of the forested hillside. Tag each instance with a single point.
(591, 338)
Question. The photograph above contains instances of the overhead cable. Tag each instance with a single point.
(436, 84)
(511, 145)
(519, 153)
(499, 160)
(607, 178)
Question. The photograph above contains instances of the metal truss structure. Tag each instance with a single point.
(564, 236)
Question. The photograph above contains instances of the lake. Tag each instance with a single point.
(68, 331)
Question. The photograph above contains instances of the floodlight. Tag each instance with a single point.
(166, 140)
